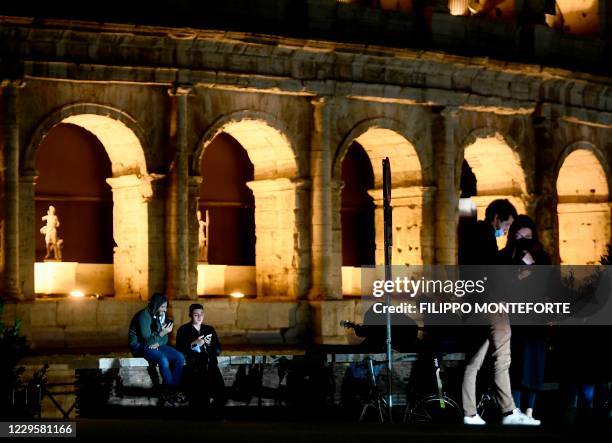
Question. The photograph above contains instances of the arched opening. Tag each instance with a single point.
(575, 17)
(264, 160)
(227, 204)
(583, 209)
(72, 170)
(492, 170)
(407, 199)
(357, 211)
(105, 229)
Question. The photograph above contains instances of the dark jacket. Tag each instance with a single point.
(477, 243)
(187, 334)
(145, 326)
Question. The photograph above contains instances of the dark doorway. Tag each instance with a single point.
(225, 170)
(357, 213)
(72, 170)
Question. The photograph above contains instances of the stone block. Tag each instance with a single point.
(117, 312)
(72, 312)
(264, 337)
(47, 337)
(8, 314)
(281, 315)
(252, 315)
(220, 313)
(43, 313)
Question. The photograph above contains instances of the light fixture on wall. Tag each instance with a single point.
(237, 294)
(77, 294)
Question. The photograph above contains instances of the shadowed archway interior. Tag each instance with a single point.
(72, 170)
(225, 169)
(357, 211)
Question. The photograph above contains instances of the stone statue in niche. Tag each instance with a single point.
(52, 242)
(203, 236)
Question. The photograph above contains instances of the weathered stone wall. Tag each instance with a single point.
(72, 324)
(295, 106)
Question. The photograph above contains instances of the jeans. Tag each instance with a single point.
(166, 357)
(529, 394)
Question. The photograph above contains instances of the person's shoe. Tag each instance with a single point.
(517, 418)
(474, 420)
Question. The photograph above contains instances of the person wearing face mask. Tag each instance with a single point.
(479, 247)
(528, 344)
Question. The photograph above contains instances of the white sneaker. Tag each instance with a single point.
(517, 418)
(474, 420)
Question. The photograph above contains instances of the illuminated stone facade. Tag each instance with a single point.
(156, 98)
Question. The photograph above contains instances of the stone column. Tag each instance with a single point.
(10, 151)
(136, 257)
(194, 247)
(546, 192)
(336, 264)
(277, 259)
(177, 215)
(27, 224)
(320, 166)
(447, 192)
(302, 235)
(407, 203)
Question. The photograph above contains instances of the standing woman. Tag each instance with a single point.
(528, 343)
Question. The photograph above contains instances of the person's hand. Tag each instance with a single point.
(208, 339)
(167, 329)
(154, 346)
(199, 341)
(528, 258)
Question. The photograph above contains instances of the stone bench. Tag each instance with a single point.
(131, 383)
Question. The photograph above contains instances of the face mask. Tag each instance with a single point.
(499, 232)
(524, 244)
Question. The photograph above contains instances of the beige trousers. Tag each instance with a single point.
(499, 340)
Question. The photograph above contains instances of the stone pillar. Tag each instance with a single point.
(336, 263)
(546, 188)
(136, 232)
(27, 224)
(447, 192)
(320, 166)
(194, 198)
(177, 215)
(10, 151)
(302, 236)
(407, 203)
(428, 231)
(277, 246)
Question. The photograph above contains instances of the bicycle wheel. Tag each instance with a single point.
(435, 409)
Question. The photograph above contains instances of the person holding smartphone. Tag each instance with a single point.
(148, 338)
(200, 344)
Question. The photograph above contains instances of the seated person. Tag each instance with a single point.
(199, 342)
(148, 338)
(404, 332)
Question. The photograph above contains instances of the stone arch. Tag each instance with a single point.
(583, 207)
(124, 142)
(281, 200)
(411, 201)
(119, 133)
(266, 139)
(377, 133)
(495, 159)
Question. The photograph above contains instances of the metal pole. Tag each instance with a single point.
(388, 249)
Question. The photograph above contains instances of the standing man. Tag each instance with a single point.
(199, 342)
(148, 338)
(479, 247)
